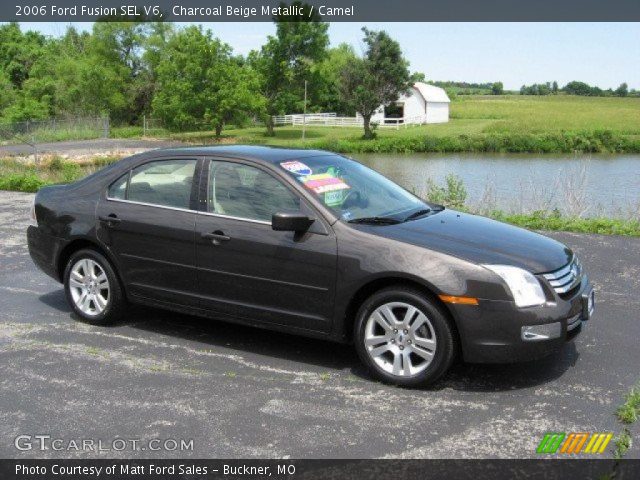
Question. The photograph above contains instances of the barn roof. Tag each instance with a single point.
(431, 93)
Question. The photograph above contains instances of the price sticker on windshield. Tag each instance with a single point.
(323, 183)
(296, 167)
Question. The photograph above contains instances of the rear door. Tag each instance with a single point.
(147, 218)
(247, 269)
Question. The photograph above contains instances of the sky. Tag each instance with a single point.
(601, 54)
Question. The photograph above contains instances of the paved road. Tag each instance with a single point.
(87, 147)
(242, 392)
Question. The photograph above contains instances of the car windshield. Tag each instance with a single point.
(354, 192)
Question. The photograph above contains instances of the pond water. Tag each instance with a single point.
(575, 184)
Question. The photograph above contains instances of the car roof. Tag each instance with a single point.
(247, 152)
(256, 153)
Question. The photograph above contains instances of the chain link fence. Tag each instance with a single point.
(54, 129)
(151, 125)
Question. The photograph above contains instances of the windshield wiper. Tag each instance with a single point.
(417, 213)
(375, 220)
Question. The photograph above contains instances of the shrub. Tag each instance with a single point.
(55, 164)
(453, 194)
(21, 182)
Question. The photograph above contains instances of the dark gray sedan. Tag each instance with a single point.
(313, 243)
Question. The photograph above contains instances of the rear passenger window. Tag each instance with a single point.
(118, 189)
(165, 182)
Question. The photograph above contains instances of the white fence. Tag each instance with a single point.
(299, 118)
(332, 120)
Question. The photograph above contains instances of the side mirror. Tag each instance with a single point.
(290, 222)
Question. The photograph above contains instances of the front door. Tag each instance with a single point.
(147, 220)
(245, 268)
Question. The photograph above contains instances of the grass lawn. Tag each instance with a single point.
(509, 123)
(550, 114)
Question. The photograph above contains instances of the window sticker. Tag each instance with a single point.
(331, 188)
(296, 167)
(323, 183)
(334, 198)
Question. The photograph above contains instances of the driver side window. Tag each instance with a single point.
(243, 191)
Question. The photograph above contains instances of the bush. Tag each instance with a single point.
(55, 164)
(22, 182)
(453, 195)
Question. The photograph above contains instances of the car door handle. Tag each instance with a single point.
(110, 220)
(216, 237)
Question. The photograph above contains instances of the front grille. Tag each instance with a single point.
(565, 279)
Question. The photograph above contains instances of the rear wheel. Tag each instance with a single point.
(92, 288)
(404, 338)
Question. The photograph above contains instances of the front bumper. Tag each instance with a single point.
(499, 332)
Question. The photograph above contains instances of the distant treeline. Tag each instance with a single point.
(468, 88)
(548, 88)
(577, 88)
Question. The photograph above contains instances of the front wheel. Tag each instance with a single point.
(404, 338)
(92, 288)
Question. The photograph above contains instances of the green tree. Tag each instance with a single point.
(18, 52)
(379, 78)
(326, 89)
(497, 88)
(120, 48)
(622, 90)
(7, 91)
(418, 77)
(554, 87)
(200, 81)
(237, 95)
(287, 60)
(25, 108)
(536, 89)
(70, 78)
(581, 88)
(158, 36)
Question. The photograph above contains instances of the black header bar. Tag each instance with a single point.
(543, 469)
(329, 10)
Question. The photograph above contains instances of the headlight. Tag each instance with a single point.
(576, 262)
(525, 288)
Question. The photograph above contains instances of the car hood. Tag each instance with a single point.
(479, 240)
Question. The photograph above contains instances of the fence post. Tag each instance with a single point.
(105, 127)
(144, 125)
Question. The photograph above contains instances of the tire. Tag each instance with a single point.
(410, 354)
(102, 303)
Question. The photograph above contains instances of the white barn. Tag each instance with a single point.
(424, 104)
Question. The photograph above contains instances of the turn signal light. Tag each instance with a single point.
(459, 300)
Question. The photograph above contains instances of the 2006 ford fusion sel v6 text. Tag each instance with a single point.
(313, 243)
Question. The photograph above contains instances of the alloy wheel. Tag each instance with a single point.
(89, 287)
(400, 339)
